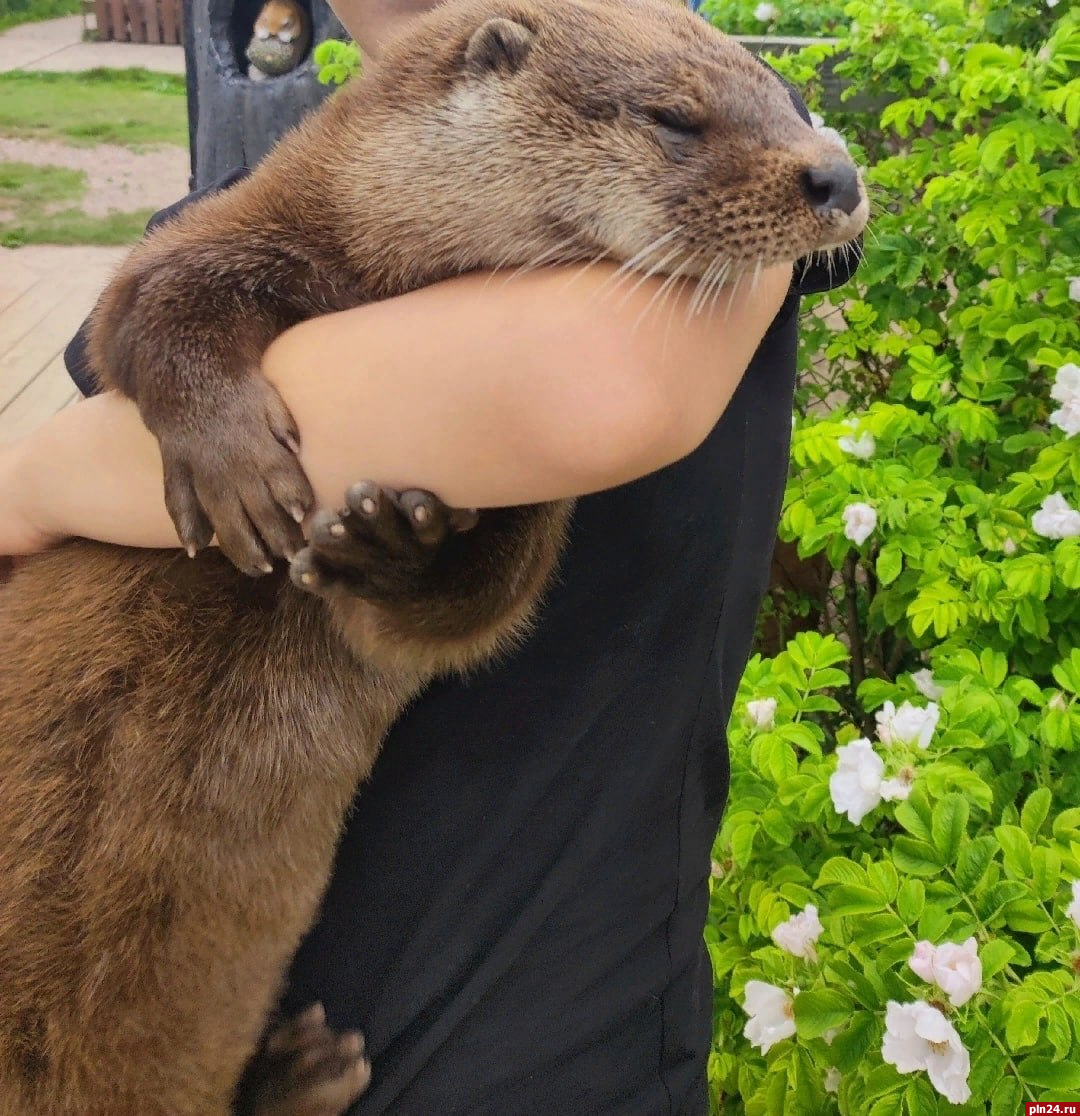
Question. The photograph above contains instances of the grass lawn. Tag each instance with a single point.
(136, 108)
(34, 210)
(14, 12)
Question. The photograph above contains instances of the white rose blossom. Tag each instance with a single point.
(861, 447)
(799, 934)
(1073, 909)
(859, 522)
(1008, 547)
(955, 969)
(925, 684)
(899, 787)
(907, 725)
(1055, 519)
(772, 1015)
(919, 1037)
(762, 713)
(1066, 391)
(766, 13)
(855, 786)
(1074, 288)
(832, 1080)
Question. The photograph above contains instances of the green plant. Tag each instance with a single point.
(936, 470)
(14, 12)
(336, 61)
(776, 17)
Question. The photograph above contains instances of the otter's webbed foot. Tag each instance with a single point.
(306, 1069)
(379, 546)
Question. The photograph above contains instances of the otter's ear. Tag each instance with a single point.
(499, 44)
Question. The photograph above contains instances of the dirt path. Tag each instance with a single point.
(117, 178)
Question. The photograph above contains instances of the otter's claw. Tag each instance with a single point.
(379, 544)
(306, 1069)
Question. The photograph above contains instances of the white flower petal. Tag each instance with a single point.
(771, 1012)
(859, 522)
(1055, 519)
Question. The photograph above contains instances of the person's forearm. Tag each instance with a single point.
(486, 390)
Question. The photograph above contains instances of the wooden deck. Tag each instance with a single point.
(45, 293)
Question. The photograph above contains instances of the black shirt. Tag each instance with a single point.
(515, 918)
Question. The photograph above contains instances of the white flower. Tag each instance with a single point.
(829, 1035)
(899, 787)
(1067, 418)
(762, 713)
(1055, 519)
(855, 786)
(1074, 288)
(859, 522)
(799, 933)
(1073, 909)
(832, 1080)
(955, 969)
(1057, 702)
(919, 1037)
(772, 1015)
(766, 12)
(943, 67)
(907, 725)
(1051, 3)
(1008, 547)
(1066, 387)
(925, 684)
(862, 447)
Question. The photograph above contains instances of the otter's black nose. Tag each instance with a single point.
(835, 186)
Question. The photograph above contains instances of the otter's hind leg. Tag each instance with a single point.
(420, 587)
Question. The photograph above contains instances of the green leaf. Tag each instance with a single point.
(1007, 1098)
(1062, 1077)
(949, 826)
(974, 859)
(890, 564)
(839, 869)
(920, 1098)
(1026, 916)
(914, 815)
(884, 879)
(819, 1011)
(994, 956)
(1035, 811)
(1022, 1025)
(1058, 1030)
(911, 899)
(847, 899)
(916, 858)
(851, 1045)
(1045, 872)
(1016, 846)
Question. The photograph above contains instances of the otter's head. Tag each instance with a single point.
(625, 128)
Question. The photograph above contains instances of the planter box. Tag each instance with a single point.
(232, 120)
(139, 21)
(832, 84)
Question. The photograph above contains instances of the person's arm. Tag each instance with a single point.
(486, 390)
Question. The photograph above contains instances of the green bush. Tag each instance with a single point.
(936, 474)
(776, 17)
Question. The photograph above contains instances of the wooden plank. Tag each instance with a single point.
(136, 13)
(103, 19)
(48, 392)
(153, 23)
(119, 21)
(46, 340)
(26, 313)
(170, 21)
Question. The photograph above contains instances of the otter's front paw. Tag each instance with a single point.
(305, 1069)
(231, 469)
(379, 545)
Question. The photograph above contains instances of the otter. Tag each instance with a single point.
(179, 739)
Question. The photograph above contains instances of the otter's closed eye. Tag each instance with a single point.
(677, 122)
(676, 132)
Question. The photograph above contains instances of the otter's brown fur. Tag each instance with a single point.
(179, 742)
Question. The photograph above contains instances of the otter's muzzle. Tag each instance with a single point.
(831, 187)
